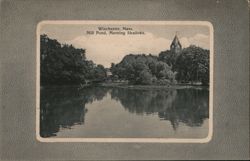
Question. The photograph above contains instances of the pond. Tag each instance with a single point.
(105, 112)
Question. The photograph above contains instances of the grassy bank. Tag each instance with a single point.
(128, 86)
(157, 87)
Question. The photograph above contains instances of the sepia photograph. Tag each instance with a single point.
(124, 81)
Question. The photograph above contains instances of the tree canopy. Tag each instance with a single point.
(143, 69)
(191, 65)
(63, 64)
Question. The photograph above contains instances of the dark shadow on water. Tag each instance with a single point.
(189, 106)
(65, 107)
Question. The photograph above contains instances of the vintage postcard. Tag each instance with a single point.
(124, 81)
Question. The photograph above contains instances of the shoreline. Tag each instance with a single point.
(127, 86)
(156, 87)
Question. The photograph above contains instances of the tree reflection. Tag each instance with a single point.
(144, 101)
(189, 106)
(64, 107)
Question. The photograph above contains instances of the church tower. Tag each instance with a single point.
(176, 45)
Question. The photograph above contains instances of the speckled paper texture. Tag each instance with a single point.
(230, 20)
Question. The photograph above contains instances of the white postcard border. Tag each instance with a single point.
(127, 140)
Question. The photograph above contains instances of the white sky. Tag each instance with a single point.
(105, 49)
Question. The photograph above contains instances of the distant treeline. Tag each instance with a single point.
(143, 69)
(63, 64)
(189, 66)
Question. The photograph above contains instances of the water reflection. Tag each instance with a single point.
(144, 101)
(189, 107)
(65, 107)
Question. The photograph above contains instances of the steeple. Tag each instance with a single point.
(176, 45)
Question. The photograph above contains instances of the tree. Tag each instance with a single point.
(193, 65)
(145, 77)
(142, 69)
(168, 57)
(63, 64)
(99, 73)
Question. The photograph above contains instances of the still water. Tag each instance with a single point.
(116, 112)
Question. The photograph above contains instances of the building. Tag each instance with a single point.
(176, 45)
(108, 73)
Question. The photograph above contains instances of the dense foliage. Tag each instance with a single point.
(191, 65)
(168, 57)
(143, 69)
(63, 64)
